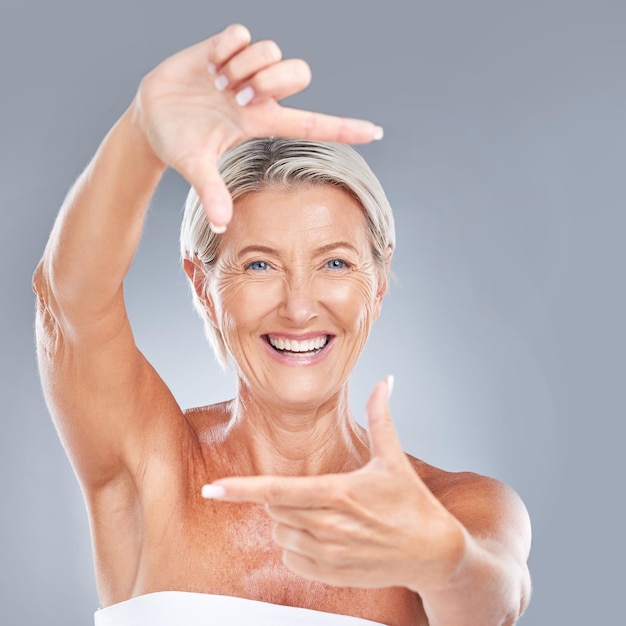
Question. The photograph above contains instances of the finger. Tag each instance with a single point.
(277, 81)
(324, 524)
(300, 542)
(249, 61)
(203, 175)
(297, 491)
(281, 80)
(302, 565)
(296, 540)
(333, 572)
(320, 127)
(382, 433)
(224, 45)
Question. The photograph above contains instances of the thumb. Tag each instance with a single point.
(382, 432)
(209, 185)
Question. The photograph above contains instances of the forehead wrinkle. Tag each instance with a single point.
(300, 245)
(301, 224)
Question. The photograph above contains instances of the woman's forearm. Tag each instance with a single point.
(490, 588)
(99, 226)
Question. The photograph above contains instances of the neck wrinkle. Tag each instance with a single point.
(277, 441)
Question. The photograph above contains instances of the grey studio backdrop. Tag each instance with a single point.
(504, 160)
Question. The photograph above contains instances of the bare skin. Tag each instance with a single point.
(458, 554)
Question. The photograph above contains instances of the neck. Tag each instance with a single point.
(297, 441)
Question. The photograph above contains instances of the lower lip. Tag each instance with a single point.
(289, 359)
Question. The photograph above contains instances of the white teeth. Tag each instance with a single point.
(292, 345)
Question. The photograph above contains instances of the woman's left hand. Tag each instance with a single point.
(379, 526)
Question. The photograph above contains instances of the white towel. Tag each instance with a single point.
(182, 608)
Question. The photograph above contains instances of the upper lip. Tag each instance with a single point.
(299, 337)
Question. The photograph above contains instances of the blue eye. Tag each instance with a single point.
(258, 266)
(336, 264)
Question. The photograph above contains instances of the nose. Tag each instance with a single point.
(299, 303)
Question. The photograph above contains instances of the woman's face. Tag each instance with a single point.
(294, 292)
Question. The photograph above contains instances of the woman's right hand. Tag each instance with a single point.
(212, 96)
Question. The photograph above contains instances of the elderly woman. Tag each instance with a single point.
(352, 531)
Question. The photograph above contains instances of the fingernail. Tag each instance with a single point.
(244, 96)
(221, 82)
(378, 133)
(218, 230)
(212, 68)
(390, 380)
(213, 492)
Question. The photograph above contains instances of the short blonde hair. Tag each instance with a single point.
(289, 164)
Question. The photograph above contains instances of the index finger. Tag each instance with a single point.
(322, 127)
(306, 492)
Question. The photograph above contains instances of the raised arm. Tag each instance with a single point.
(106, 400)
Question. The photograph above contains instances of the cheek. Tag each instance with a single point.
(240, 302)
(352, 300)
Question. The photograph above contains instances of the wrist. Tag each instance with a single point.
(446, 565)
(131, 124)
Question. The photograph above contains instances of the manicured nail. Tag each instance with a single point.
(390, 380)
(378, 133)
(213, 492)
(244, 96)
(212, 68)
(218, 230)
(221, 82)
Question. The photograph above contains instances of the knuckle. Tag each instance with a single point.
(336, 555)
(270, 51)
(290, 560)
(273, 493)
(238, 32)
(338, 497)
(309, 124)
(327, 524)
(327, 528)
(342, 131)
(277, 533)
(262, 83)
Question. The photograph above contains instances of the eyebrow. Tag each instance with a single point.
(256, 248)
(334, 246)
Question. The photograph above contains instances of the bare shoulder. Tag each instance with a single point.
(444, 483)
(487, 507)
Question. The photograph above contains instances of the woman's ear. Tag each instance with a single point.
(383, 279)
(196, 273)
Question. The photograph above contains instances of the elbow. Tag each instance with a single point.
(47, 329)
(42, 285)
(41, 288)
(43, 291)
(56, 300)
(38, 280)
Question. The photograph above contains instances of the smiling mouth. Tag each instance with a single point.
(293, 347)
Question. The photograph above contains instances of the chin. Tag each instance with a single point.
(301, 394)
